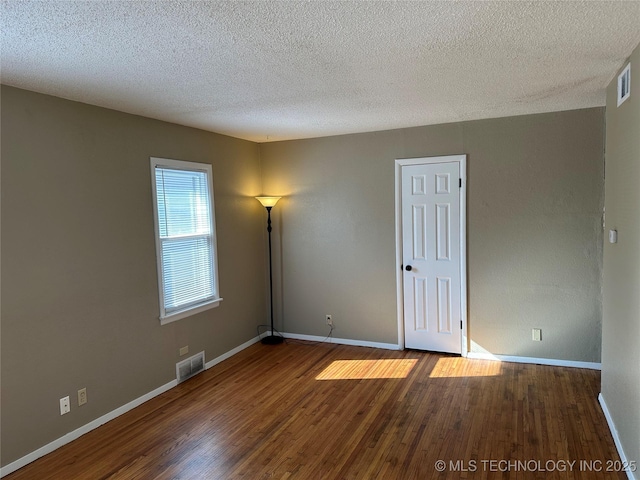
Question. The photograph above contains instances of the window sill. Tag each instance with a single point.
(172, 317)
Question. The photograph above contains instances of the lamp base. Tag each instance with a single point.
(272, 340)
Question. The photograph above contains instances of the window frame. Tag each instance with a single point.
(190, 309)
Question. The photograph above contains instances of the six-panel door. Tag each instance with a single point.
(431, 256)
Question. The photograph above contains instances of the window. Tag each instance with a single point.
(185, 238)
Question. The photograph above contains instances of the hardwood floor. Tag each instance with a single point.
(303, 411)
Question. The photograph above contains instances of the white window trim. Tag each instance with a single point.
(192, 310)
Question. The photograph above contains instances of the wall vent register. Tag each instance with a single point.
(624, 84)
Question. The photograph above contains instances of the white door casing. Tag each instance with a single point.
(430, 225)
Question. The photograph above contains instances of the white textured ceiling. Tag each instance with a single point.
(267, 70)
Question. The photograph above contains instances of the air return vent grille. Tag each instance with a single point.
(190, 367)
(624, 84)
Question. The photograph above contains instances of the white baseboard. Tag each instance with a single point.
(542, 361)
(342, 341)
(471, 355)
(231, 353)
(69, 437)
(614, 434)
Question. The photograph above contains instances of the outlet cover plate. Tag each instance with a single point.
(82, 396)
(65, 405)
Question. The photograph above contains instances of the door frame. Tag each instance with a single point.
(402, 162)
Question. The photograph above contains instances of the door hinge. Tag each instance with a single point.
(460, 183)
(460, 324)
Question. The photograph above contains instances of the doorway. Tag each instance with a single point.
(431, 253)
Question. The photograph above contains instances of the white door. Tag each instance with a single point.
(431, 256)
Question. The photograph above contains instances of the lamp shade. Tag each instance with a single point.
(268, 201)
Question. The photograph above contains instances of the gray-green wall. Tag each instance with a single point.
(534, 220)
(79, 282)
(621, 279)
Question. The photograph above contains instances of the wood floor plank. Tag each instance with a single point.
(306, 411)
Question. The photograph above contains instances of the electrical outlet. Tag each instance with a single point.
(65, 405)
(82, 396)
(184, 350)
(536, 334)
(329, 320)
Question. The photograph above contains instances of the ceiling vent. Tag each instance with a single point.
(624, 84)
(190, 367)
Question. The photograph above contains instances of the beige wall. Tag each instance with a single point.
(621, 280)
(535, 197)
(79, 282)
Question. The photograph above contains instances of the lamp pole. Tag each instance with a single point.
(268, 203)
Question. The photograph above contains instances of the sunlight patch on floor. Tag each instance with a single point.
(463, 367)
(367, 369)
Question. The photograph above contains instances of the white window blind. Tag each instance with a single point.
(185, 237)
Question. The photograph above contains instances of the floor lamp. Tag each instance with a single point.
(268, 203)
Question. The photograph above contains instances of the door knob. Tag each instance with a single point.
(408, 268)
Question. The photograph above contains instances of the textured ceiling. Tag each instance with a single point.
(270, 70)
